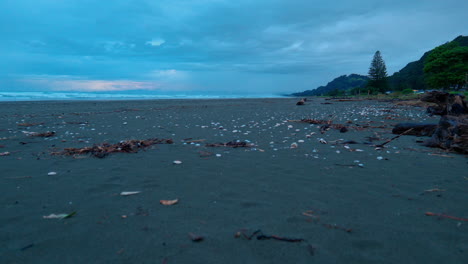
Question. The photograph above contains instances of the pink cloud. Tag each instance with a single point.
(62, 84)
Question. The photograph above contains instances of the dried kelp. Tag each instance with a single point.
(326, 124)
(30, 124)
(231, 144)
(37, 134)
(104, 149)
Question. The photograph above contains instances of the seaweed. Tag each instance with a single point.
(104, 149)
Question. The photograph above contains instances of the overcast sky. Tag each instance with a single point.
(225, 46)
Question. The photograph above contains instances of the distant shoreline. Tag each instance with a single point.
(78, 96)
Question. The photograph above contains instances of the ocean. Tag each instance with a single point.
(77, 96)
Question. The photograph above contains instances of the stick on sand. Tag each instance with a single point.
(390, 140)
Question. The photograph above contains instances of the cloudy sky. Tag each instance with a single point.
(222, 46)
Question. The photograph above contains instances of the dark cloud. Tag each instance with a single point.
(217, 44)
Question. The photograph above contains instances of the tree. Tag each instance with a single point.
(446, 66)
(378, 73)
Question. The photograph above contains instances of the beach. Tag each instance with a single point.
(317, 195)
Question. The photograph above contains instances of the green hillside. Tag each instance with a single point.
(412, 76)
(344, 82)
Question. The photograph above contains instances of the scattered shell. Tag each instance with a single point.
(323, 141)
(52, 173)
(294, 145)
(300, 141)
(218, 155)
(177, 162)
(361, 165)
(380, 158)
(6, 153)
(129, 193)
(54, 216)
(168, 202)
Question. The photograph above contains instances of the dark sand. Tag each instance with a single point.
(265, 187)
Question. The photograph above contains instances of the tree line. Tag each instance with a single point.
(443, 68)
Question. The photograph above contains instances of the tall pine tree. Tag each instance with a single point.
(377, 74)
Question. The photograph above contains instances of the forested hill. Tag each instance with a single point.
(343, 82)
(412, 75)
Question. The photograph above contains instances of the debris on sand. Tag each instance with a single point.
(104, 149)
(247, 235)
(301, 102)
(37, 134)
(326, 124)
(243, 233)
(446, 216)
(451, 133)
(196, 238)
(447, 104)
(29, 124)
(417, 129)
(313, 121)
(231, 144)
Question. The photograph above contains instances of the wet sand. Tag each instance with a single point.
(350, 203)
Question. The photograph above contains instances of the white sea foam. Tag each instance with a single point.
(45, 96)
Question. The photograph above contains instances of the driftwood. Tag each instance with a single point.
(43, 134)
(390, 140)
(104, 149)
(418, 129)
(447, 104)
(451, 133)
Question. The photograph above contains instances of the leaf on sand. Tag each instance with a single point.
(59, 216)
(129, 193)
(168, 202)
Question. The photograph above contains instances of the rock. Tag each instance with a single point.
(300, 102)
(343, 130)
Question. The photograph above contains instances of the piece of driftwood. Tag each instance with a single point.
(451, 134)
(447, 104)
(104, 149)
(417, 129)
(393, 138)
